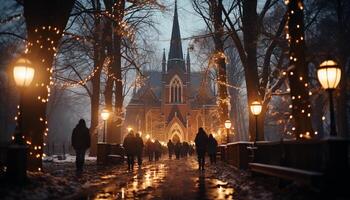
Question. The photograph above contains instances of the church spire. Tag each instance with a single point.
(163, 62)
(188, 61)
(175, 43)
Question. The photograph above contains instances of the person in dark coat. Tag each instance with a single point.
(212, 148)
(177, 149)
(80, 143)
(201, 142)
(170, 149)
(129, 145)
(157, 150)
(149, 149)
(185, 149)
(139, 148)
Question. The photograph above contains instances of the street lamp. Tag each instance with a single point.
(23, 73)
(228, 126)
(255, 108)
(104, 115)
(329, 74)
(129, 129)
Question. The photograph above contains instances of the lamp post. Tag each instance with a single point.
(23, 74)
(255, 108)
(228, 126)
(329, 74)
(104, 115)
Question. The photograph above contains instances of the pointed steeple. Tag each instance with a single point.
(188, 61)
(188, 67)
(164, 62)
(175, 43)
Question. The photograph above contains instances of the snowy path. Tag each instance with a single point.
(167, 179)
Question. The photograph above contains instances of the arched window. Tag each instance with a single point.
(176, 91)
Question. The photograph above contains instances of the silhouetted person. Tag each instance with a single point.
(129, 145)
(185, 148)
(201, 142)
(170, 149)
(191, 150)
(80, 143)
(139, 148)
(157, 150)
(212, 148)
(177, 149)
(149, 149)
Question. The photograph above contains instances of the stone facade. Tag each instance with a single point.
(175, 102)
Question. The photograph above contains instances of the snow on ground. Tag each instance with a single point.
(60, 181)
(66, 158)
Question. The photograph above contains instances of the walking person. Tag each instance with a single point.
(157, 150)
(170, 149)
(130, 150)
(212, 148)
(149, 149)
(139, 149)
(201, 142)
(177, 150)
(185, 149)
(80, 142)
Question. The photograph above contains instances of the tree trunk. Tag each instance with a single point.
(95, 97)
(219, 56)
(115, 135)
(250, 37)
(298, 75)
(342, 115)
(45, 22)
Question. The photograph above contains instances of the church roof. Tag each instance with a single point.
(200, 94)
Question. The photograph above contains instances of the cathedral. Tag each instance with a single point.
(174, 102)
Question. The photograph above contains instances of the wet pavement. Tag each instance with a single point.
(166, 179)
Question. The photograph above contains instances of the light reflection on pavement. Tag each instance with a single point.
(166, 179)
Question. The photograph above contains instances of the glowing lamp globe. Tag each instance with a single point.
(148, 136)
(129, 129)
(328, 74)
(256, 107)
(23, 72)
(228, 124)
(105, 114)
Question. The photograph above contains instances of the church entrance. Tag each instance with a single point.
(175, 138)
(176, 133)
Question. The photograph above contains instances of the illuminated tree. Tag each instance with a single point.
(45, 22)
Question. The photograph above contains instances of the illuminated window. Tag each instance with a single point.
(176, 91)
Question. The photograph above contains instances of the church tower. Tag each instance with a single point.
(175, 103)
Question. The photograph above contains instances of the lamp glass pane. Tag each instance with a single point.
(255, 108)
(228, 124)
(104, 115)
(23, 75)
(329, 74)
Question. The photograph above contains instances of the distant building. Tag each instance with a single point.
(174, 103)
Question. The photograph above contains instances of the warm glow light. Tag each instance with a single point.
(23, 72)
(129, 129)
(228, 124)
(329, 74)
(148, 136)
(256, 107)
(105, 114)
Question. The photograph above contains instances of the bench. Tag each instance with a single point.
(288, 173)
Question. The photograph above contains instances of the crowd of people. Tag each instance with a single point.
(135, 148)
